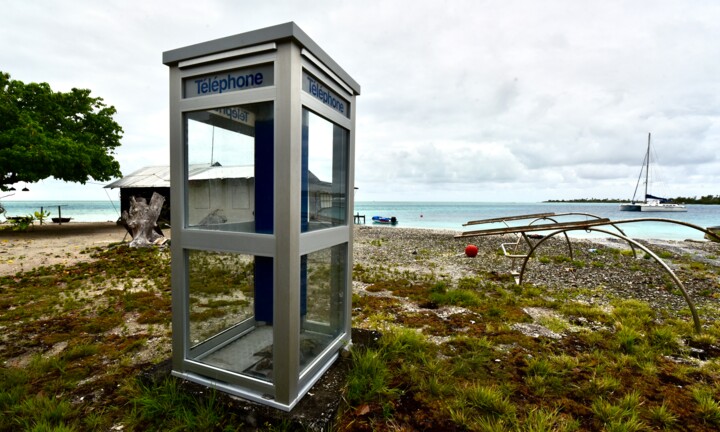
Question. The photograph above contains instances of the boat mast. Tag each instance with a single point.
(647, 168)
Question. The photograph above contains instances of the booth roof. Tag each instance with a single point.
(279, 32)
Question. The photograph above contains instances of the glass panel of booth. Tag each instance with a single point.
(323, 279)
(224, 325)
(324, 173)
(229, 168)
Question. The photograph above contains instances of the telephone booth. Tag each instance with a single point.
(262, 165)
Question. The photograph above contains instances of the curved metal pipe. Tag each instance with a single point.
(691, 304)
(632, 247)
(567, 238)
(687, 224)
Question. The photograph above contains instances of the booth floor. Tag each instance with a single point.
(251, 354)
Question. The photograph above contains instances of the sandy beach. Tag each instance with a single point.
(50, 244)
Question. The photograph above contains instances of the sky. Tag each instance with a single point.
(482, 101)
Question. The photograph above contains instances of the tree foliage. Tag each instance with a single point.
(705, 199)
(70, 136)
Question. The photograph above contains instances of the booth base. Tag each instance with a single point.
(317, 411)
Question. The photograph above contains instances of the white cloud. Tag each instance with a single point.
(462, 100)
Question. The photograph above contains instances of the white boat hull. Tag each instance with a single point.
(642, 207)
(662, 208)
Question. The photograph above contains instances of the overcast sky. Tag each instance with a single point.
(461, 100)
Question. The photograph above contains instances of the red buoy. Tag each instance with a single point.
(471, 251)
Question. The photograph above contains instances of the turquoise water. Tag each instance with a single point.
(453, 215)
(79, 211)
(437, 215)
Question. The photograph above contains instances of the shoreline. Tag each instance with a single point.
(65, 229)
(444, 215)
(69, 229)
(51, 244)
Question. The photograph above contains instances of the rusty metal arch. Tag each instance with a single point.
(611, 223)
(567, 238)
(691, 304)
(538, 217)
(587, 226)
(677, 222)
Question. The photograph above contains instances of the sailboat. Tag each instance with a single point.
(651, 203)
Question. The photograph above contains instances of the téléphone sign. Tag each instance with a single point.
(325, 95)
(229, 81)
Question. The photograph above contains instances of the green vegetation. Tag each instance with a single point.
(19, 223)
(69, 362)
(70, 136)
(450, 356)
(621, 366)
(41, 216)
(706, 199)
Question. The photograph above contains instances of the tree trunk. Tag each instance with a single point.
(141, 222)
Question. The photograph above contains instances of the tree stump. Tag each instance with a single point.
(141, 221)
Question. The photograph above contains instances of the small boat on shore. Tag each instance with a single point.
(61, 219)
(19, 219)
(385, 220)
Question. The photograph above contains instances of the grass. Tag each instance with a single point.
(708, 407)
(166, 406)
(622, 365)
(370, 377)
(449, 358)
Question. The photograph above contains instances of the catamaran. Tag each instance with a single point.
(651, 203)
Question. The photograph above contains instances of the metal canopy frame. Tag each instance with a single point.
(597, 224)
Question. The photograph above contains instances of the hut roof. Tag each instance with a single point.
(159, 176)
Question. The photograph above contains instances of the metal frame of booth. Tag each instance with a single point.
(268, 82)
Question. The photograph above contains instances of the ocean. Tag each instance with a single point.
(448, 215)
(443, 215)
(79, 211)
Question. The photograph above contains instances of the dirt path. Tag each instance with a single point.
(48, 245)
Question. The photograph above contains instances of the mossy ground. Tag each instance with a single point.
(454, 358)
(74, 340)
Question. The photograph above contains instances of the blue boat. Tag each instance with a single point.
(385, 220)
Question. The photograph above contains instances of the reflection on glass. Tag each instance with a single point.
(324, 273)
(223, 330)
(229, 171)
(324, 173)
